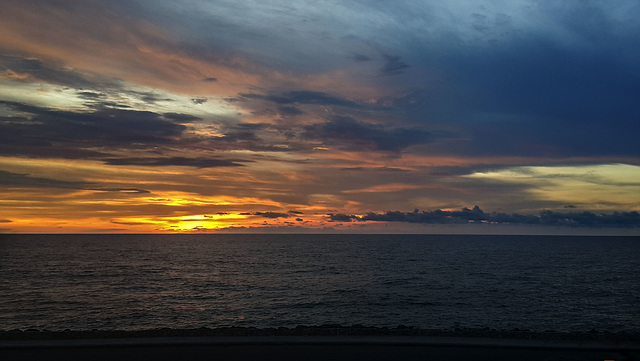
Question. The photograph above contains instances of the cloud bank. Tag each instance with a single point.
(466, 215)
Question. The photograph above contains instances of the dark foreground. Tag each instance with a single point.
(317, 343)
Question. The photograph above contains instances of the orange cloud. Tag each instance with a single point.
(97, 37)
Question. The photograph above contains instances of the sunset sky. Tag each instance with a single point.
(320, 116)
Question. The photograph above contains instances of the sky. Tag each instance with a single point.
(458, 116)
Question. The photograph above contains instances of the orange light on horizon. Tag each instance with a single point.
(186, 223)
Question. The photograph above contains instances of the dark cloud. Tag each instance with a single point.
(513, 87)
(272, 214)
(44, 128)
(466, 215)
(289, 111)
(534, 96)
(348, 132)
(199, 101)
(123, 190)
(377, 169)
(91, 95)
(342, 128)
(305, 97)
(393, 65)
(360, 57)
(96, 89)
(41, 149)
(464, 170)
(30, 69)
(107, 105)
(175, 161)
(149, 97)
(342, 217)
(20, 180)
(240, 132)
(210, 79)
(5, 221)
(180, 118)
(616, 219)
(254, 137)
(105, 97)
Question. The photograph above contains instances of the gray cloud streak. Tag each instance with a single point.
(175, 161)
(20, 180)
(464, 216)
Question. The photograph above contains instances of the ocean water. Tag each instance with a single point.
(133, 282)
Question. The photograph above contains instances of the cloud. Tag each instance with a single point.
(290, 114)
(25, 180)
(29, 69)
(148, 97)
(393, 65)
(563, 89)
(91, 95)
(349, 133)
(377, 169)
(180, 118)
(5, 221)
(304, 97)
(342, 217)
(123, 190)
(255, 137)
(36, 133)
(240, 132)
(466, 215)
(19, 180)
(272, 215)
(199, 101)
(289, 111)
(110, 125)
(175, 161)
(360, 57)
(602, 186)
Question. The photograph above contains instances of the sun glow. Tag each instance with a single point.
(188, 223)
(188, 199)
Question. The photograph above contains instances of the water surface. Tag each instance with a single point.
(132, 282)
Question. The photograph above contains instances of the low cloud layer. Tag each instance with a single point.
(466, 215)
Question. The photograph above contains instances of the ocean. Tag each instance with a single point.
(139, 282)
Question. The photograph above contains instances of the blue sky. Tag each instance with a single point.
(127, 116)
